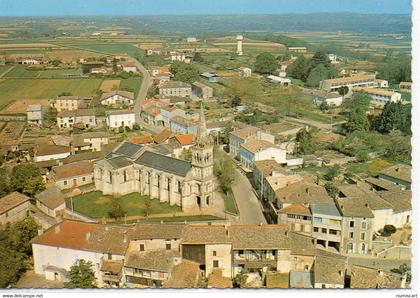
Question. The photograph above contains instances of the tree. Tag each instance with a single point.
(398, 149)
(299, 69)
(197, 57)
(147, 207)
(239, 281)
(265, 63)
(343, 90)
(81, 275)
(4, 183)
(117, 211)
(224, 170)
(305, 140)
(184, 72)
(320, 57)
(21, 234)
(393, 116)
(357, 117)
(324, 106)
(236, 101)
(27, 179)
(136, 126)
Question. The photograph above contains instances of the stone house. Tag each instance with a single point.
(50, 152)
(201, 90)
(175, 88)
(51, 202)
(14, 207)
(71, 175)
(35, 114)
(68, 103)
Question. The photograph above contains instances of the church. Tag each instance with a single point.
(135, 168)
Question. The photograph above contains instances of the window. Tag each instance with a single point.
(364, 225)
(363, 236)
(351, 224)
(109, 256)
(351, 235)
(83, 179)
(317, 219)
(141, 247)
(214, 253)
(324, 230)
(168, 246)
(316, 230)
(241, 252)
(215, 264)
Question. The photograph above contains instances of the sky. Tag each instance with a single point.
(188, 7)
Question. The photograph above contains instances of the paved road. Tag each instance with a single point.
(249, 208)
(145, 85)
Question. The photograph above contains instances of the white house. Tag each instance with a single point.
(34, 114)
(50, 152)
(118, 118)
(331, 98)
(244, 135)
(129, 66)
(256, 150)
(380, 96)
(245, 72)
(278, 80)
(382, 83)
(117, 98)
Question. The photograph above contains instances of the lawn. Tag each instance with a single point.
(17, 89)
(96, 205)
(230, 204)
(3, 68)
(277, 280)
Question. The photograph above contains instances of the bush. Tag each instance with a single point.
(389, 229)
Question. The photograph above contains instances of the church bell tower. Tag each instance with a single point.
(202, 163)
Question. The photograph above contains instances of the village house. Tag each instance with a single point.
(117, 99)
(297, 217)
(163, 136)
(71, 175)
(99, 70)
(183, 125)
(201, 90)
(244, 72)
(379, 96)
(90, 141)
(211, 77)
(51, 202)
(370, 278)
(256, 150)
(142, 140)
(14, 207)
(381, 83)
(129, 66)
(331, 98)
(80, 118)
(244, 135)
(399, 174)
(279, 80)
(298, 49)
(174, 56)
(68, 103)
(263, 169)
(175, 88)
(133, 168)
(151, 114)
(357, 224)
(50, 152)
(326, 226)
(361, 80)
(167, 113)
(35, 114)
(406, 86)
(329, 270)
(163, 71)
(29, 61)
(120, 118)
(181, 143)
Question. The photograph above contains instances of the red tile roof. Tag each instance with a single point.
(163, 136)
(141, 139)
(185, 139)
(296, 209)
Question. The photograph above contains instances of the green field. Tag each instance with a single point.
(3, 68)
(20, 72)
(131, 84)
(110, 48)
(230, 205)
(16, 89)
(96, 205)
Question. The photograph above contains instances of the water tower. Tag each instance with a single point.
(239, 40)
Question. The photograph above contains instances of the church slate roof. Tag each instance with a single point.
(118, 162)
(128, 149)
(164, 163)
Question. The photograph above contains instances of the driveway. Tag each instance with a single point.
(145, 85)
(249, 207)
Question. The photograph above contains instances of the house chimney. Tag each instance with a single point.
(87, 236)
(307, 190)
(57, 229)
(381, 272)
(125, 237)
(106, 228)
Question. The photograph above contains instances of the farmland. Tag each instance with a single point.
(18, 89)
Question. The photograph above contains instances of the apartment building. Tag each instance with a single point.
(379, 96)
(326, 226)
(256, 150)
(361, 80)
